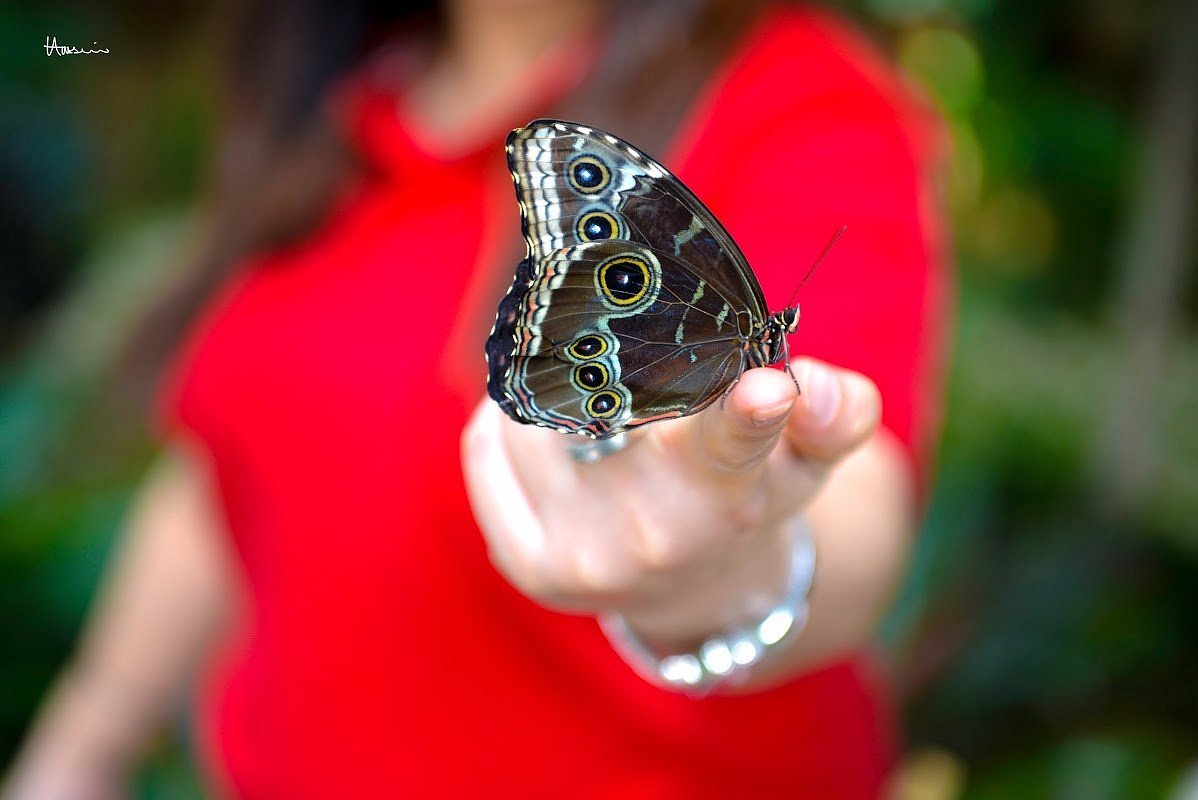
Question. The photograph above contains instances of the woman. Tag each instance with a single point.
(308, 539)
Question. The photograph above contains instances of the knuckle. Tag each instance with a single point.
(661, 551)
(526, 573)
(549, 589)
(598, 574)
(580, 578)
(671, 442)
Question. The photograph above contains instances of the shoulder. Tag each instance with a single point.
(800, 57)
(806, 128)
(807, 77)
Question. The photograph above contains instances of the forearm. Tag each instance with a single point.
(862, 523)
(163, 597)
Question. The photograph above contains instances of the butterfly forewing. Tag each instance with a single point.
(633, 198)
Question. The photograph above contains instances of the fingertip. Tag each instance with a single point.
(762, 397)
(739, 431)
(838, 409)
(864, 401)
(822, 392)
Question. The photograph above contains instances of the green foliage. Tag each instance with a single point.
(1044, 630)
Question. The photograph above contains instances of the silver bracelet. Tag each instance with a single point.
(723, 657)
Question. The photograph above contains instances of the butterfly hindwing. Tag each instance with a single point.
(609, 335)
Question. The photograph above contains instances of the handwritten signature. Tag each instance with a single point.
(53, 48)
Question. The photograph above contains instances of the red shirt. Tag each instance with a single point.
(379, 654)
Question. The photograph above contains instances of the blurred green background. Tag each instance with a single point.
(1046, 641)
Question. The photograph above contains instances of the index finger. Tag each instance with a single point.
(837, 412)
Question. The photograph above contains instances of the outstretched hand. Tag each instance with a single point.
(686, 531)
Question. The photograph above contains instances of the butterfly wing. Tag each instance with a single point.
(633, 302)
(576, 184)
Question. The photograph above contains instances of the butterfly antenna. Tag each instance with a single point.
(827, 248)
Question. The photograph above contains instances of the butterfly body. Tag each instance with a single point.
(633, 305)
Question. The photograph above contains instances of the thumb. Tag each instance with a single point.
(838, 410)
(737, 432)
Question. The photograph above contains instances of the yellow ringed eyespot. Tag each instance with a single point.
(596, 225)
(591, 376)
(588, 174)
(588, 346)
(602, 405)
(624, 279)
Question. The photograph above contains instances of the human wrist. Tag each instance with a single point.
(732, 587)
(732, 651)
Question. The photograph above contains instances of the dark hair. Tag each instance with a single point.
(281, 158)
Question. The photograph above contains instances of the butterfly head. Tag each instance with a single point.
(773, 340)
(788, 319)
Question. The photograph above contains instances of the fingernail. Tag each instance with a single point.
(821, 392)
(770, 414)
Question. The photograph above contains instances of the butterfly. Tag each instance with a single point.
(633, 303)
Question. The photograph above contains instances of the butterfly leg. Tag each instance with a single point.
(789, 371)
